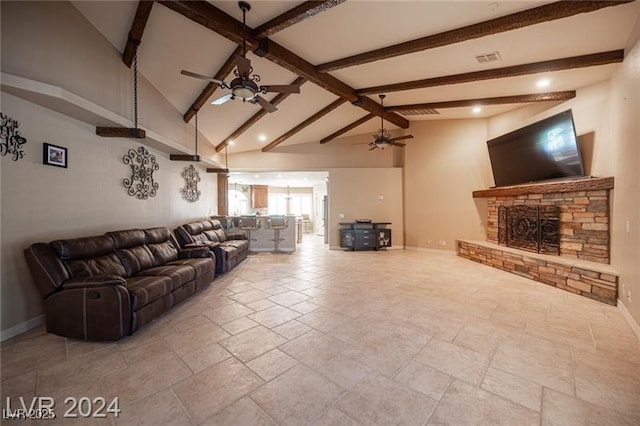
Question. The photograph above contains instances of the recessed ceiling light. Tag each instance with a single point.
(262, 138)
(230, 142)
(279, 175)
(476, 110)
(256, 176)
(543, 82)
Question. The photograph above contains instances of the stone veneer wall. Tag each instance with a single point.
(583, 265)
(584, 221)
(599, 283)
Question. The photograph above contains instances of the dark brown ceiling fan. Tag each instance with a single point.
(383, 138)
(245, 85)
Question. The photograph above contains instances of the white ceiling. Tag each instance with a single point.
(172, 43)
(280, 179)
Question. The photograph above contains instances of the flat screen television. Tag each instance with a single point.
(540, 151)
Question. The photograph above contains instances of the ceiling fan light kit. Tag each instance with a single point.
(245, 85)
(383, 138)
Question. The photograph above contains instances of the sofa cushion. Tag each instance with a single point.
(128, 238)
(194, 228)
(201, 266)
(212, 236)
(80, 248)
(146, 289)
(161, 245)
(108, 264)
(136, 259)
(179, 274)
(221, 235)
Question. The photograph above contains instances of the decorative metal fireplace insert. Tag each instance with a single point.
(531, 228)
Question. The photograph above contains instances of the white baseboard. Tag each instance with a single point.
(632, 322)
(21, 328)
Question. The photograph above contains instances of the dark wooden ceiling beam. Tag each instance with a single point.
(257, 116)
(537, 15)
(315, 117)
(583, 61)
(502, 100)
(345, 129)
(293, 16)
(211, 87)
(135, 33)
(214, 19)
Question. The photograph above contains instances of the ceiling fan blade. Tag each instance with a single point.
(398, 144)
(281, 88)
(265, 104)
(244, 66)
(202, 77)
(372, 148)
(399, 138)
(222, 99)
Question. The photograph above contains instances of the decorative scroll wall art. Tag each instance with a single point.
(143, 164)
(190, 191)
(10, 140)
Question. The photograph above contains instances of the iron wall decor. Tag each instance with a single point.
(54, 155)
(190, 191)
(143, 164)
(11, 141)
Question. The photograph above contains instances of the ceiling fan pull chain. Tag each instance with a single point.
(135, 91)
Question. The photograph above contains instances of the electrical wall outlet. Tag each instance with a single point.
(629, 296)
(341, 215)
(628, 226)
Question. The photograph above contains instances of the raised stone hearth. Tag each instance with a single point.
(582, 266)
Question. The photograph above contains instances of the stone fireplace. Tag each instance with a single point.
(556, 233)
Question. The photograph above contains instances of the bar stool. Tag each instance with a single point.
(248, 224)
(277, 223)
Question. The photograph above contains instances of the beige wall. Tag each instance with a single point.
(355, 194)
(42, 203)
(625, 147)
(444, 163)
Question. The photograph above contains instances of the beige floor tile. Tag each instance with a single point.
(271, 364)
(513, 388)
(304, 307)
(559, 409)
(239, 325)
(260, 305)
(184, 323)
(274, 316)
(334, 417)
(485, 336)
(378, 400)
(292, 329)
(252, 343)
(538, 360)
(464, 404)
(206, 356)
(149, 333)
(144, 378)
(242, 412)
(145, 351)
(249, 296)
(161, 408)
(227, 313)
(454, 360)
(216, 387)
(297, 396)
(31, 354)
(313, 348)
(422, 378)
(289, 298)
(437, 324)
(199, 337)
(18, 386)
(607, 382)
(324, 320)
(344, 371)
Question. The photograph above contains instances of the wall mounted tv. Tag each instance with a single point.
(540, 151)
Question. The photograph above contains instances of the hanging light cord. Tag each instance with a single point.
(135, 91)
(196, 133)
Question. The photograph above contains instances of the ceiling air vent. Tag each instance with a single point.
(419, 111)
(488, 57)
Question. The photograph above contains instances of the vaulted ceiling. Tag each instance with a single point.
(422, 54)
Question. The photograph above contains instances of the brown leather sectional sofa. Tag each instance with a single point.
(106, 287)
(229, 248)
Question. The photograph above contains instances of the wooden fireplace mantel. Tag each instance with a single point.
(586, 184)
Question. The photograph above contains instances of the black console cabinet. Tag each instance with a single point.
(365, 236)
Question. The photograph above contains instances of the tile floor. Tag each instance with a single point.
(343, 338)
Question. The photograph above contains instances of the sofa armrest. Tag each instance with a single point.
(191, 252)
(95, 281)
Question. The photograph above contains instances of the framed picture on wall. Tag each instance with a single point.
(54, 155)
